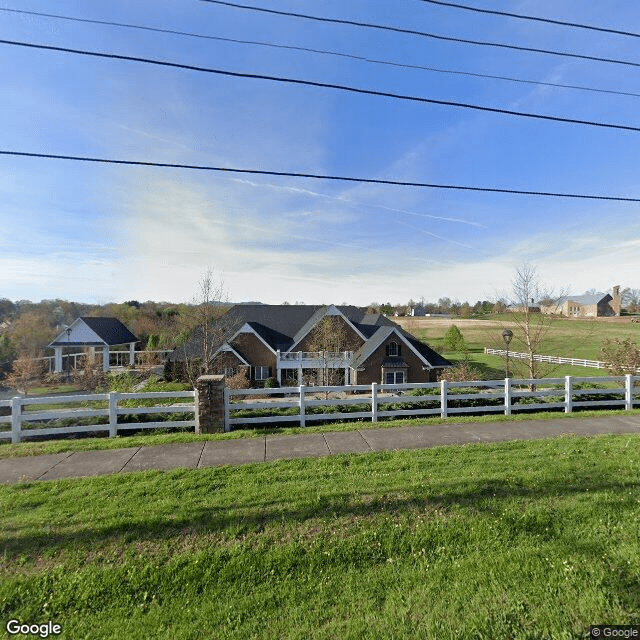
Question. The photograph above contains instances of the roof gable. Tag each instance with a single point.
(226, 347)
(430, 358)
(250, 327)
(89, 331)
(322, 312)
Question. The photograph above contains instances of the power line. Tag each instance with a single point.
(425, 34)
(326, 85)
(315, 176)
(323, 52)
(507, 14)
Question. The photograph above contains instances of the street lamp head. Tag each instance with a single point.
(507, 334)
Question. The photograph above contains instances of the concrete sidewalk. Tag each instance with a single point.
(197, 455)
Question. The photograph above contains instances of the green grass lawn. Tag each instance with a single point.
(520, 540)
(492, 367)
(566, 337)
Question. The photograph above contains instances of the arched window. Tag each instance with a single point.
(393, 349)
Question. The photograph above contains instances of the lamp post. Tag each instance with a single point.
(507, 334)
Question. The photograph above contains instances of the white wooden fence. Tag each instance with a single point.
(314, 404)
(576, 362)
(443, 399)
(110, 408)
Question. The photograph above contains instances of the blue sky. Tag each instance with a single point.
(98, 233)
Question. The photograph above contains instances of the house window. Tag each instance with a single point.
(393, 349)
(394, 377)
(262, 373)
(229, 372)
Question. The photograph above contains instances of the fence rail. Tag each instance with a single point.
(427, 399)
(24, 417)
(576, 362)
(23, 411)
(116, 358)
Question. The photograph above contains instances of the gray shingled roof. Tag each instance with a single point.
(586, 299)
(275, 324)
(281, 326)
(110, 330)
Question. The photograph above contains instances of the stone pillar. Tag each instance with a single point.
(210, 404)
(132, 354)
(105, 358)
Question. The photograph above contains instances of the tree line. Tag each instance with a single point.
(26, 328)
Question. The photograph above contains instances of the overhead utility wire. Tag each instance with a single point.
(326, 85)
(325, 52)
(424, 34)
(520, 16)
(316, 176)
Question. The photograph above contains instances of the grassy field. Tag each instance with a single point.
(521, 540)
(566, 337)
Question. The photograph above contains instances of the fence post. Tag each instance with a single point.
(113, 414)
(507, 396)
(209, 407)
(374, 402)
(568, 394)
(302, 406)
(444, 390)
(16, 419)
(628, 392)
(227, 413)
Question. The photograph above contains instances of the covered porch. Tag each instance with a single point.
(93, 333)
(320, 360)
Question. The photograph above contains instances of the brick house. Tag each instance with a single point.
(299, 344)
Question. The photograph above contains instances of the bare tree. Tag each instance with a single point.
(211, 295)
(26, 373)
(330, 336)
(199, 320)
(631, 299)
(531, 326)
(91, 376)
(622, 356)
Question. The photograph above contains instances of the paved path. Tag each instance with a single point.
(196, 455)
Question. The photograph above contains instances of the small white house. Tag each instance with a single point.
(93, 332)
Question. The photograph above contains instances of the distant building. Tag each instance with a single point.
(533, 307)
(591, 305)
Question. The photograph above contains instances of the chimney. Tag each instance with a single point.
(616, 303)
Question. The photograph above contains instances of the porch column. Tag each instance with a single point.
(299, 368)
(346, 368)
(57, 359)
(105, 358)
(132, 353)
(278, 369)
